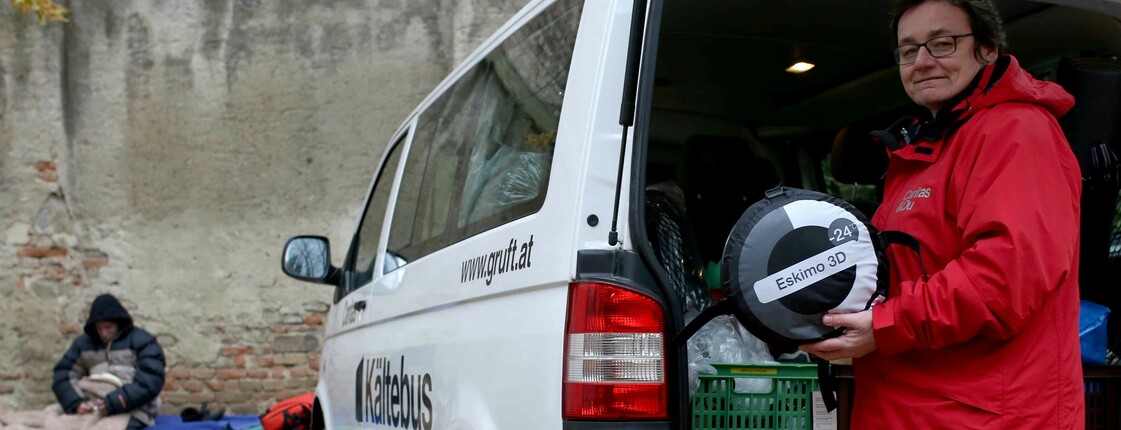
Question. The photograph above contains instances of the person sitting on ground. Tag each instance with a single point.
(113, 349)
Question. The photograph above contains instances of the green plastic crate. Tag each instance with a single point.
(789, 404)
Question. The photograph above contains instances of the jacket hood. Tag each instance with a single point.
(107, 308)
(1000, 82)
(1004, 81)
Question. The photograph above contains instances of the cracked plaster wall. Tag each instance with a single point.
(163, 151)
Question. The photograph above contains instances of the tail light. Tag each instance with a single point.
(614, 366)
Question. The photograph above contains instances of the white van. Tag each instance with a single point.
(540, 223)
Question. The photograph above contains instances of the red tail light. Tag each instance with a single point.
(614, 365)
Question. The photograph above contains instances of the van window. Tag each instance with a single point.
(482, 151)
(370, 230)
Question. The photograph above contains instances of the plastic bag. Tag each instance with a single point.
(507, 178)
(1092, 332)
(724, 340)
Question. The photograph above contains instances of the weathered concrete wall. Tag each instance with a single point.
(165, 150)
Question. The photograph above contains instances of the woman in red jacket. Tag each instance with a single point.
(984, 336)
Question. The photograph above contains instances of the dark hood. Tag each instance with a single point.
(107, 308)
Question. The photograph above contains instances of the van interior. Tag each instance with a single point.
(728, 121)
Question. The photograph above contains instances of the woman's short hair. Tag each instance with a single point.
(988, 29)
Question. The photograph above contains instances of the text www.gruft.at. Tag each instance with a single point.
(512, 257)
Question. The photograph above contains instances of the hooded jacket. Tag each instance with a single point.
(135, 357)
(988, 336)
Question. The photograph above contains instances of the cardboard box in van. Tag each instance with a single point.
(541, 224)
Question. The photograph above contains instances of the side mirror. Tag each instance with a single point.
(308, 258)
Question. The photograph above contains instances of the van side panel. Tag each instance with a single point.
(468, 333)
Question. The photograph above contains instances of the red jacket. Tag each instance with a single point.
(990, 339)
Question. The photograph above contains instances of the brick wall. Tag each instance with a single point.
(50, 266)
(246, 379)
(254, 367)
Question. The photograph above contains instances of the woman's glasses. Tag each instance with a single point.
(938, 47)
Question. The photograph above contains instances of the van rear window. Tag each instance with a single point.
(482, 151)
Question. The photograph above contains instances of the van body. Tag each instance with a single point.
(540, 224)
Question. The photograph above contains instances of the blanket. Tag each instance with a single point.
(52, 417)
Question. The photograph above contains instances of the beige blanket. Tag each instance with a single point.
(53, 418)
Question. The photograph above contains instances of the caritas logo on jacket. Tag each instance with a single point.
(908, 201)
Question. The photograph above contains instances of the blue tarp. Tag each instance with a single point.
(228, 422)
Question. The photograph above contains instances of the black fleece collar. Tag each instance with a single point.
(947, 118)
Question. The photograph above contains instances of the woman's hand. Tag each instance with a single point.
(857, 341)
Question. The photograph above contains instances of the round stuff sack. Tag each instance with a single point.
(797, 255)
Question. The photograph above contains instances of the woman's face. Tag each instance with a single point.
(930, 81)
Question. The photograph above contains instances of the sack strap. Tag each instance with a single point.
(896, 237)
(723, 307)
(827, 382)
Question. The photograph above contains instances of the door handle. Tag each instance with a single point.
(360, 305)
